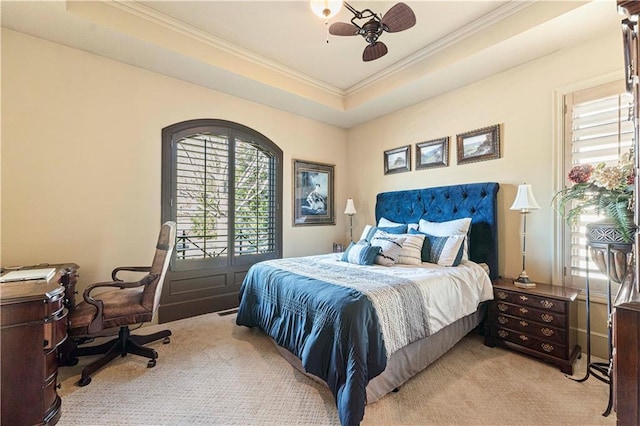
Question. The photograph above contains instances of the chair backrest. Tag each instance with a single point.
(160, 265)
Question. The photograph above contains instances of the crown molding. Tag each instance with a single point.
(443, 43)
(151, 15)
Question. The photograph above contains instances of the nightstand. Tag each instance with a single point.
(536, 321)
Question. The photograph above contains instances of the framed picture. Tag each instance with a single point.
(479, 145)
(434, 153)
(312, 193)
(397, 160)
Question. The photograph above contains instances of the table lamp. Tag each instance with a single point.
(525, 202)
(350, 210)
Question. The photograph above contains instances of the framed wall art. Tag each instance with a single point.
(434, 153)
(397, 160)
(313, 193)
(479, 145)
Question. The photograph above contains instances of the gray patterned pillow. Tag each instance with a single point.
(411, 253)
(390, 245)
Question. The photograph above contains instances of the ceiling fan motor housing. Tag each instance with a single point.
(372, 30)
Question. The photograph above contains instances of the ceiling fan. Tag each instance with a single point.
(399, 18)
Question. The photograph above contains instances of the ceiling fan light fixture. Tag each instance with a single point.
(325, 9)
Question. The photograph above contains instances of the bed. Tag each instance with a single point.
(356, 327)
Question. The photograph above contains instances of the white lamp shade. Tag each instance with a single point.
(525, 200)
(325, 8)
(351, 208)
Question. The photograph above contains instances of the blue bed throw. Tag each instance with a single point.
(334, 330)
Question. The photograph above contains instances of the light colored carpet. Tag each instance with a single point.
(214, 372)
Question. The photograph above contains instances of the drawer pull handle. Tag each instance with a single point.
(502, 295)
(546, 317)
(547, 331)
(524, 298)
(502, 320)
(546, 347)
(523, 338)
(524, 310)
(502, 333)
(524, 323)
(546, 304)
(502, 307)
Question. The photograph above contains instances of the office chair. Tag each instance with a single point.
(133, 303)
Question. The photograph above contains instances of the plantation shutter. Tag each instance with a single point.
(225, 199)
(254, 210)
(202, 202)
(598, 128)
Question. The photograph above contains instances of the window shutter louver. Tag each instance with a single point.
(600, 130)
(254, 208)
(202, 201)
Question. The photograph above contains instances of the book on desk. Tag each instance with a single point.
(28, 274)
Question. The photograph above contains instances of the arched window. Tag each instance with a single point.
(222, 184)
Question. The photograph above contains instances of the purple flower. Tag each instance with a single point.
(580, 173)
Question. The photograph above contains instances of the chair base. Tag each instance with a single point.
(124, 344)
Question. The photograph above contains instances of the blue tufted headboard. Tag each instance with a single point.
(475, 200)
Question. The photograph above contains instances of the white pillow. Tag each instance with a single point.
(390, 247)
(445, 229)
(386, 223)
(367, 232)
(411, 253)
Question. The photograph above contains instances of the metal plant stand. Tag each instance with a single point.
(602, 371)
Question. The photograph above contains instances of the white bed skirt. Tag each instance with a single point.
(408, 361)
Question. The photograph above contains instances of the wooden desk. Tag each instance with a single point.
(33, 323)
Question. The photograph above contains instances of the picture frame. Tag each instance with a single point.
(433, 153)
(313, 193)
(397, 160)
(478, 145)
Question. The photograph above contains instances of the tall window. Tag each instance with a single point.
(598, 128)
(222, 184)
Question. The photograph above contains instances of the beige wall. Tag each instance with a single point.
(81, 156)
(521, 100)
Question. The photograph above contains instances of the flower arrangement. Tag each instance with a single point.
(607, 190)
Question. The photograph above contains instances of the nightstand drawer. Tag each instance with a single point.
(542, 331)
(534, 343)
(544, 317)
(538, 302)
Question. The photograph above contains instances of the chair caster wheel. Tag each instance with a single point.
(84, 381)
(166, 340)
(151, 363)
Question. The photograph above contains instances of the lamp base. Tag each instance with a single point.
(523, 281)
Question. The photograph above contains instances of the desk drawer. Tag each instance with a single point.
(55, 329)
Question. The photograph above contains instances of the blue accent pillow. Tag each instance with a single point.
(360, 253)
(445, 251)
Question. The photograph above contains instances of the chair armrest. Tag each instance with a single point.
(128, 268)
(96, 323)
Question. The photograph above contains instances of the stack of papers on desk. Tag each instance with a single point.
(28, 274)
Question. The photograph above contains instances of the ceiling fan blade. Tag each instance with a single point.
(343, 29)
(399, 18)
(374, 51)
